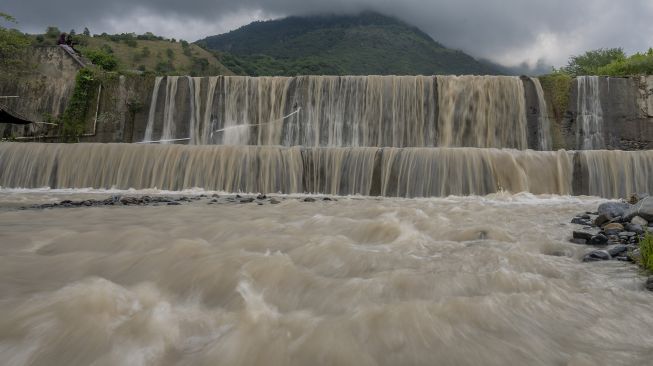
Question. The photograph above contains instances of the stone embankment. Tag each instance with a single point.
(616, 230)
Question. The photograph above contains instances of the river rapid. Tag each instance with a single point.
(474, 280)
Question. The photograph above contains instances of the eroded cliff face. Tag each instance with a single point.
(43, 89)
(619, 114)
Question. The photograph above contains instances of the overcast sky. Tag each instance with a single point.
(509, 32)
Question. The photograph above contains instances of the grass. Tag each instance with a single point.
(646, 252)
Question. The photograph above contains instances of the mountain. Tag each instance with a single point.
(364, 44)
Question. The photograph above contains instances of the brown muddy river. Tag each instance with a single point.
(443, 281)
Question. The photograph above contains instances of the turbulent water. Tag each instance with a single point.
(394, 172)
(344, 111)
(457, 281)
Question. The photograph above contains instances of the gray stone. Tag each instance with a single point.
(643, 209)
(638, 221)
(274, 202)
(635, 228)
(577, 221)
(247, 200)
(578, 234)
(597, 255)
(618, 250)
(601, 219)
(309, 199)
(578, 241)
(599, 239)
(613, 208)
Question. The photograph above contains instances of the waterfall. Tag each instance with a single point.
(543, 126)
(151, 115)
(169, 127)
(395, 172)
(589, 124)
(481, 111)
(356, 111)
(618, 173)
(208, 127)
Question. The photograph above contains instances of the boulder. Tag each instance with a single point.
(613, 209)
(579, 234)
(597, 255)
(643, 209)
(602, 219)
(309, 199)
(581, 221)
(618, 250)
(635, 228)
(599, 239)
(639, 221)
(578, 241)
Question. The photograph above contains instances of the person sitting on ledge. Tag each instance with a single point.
(65, 41)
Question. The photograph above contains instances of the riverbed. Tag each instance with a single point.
(473, 280)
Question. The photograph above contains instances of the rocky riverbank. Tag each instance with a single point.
(145, 200)
(616, 230)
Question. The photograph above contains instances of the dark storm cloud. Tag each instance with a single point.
(507, 31)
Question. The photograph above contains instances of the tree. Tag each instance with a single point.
(52, 32)
(590, 62)
(12, 43)
(87, 32)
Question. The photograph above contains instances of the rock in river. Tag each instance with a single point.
(643, 209)
(613, 209)
(639, 221)
(597, 255)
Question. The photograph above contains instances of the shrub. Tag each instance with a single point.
(102, 59)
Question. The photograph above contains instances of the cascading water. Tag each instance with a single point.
(589, 124)
(169, 121)
(481, 111)
(150, 117)
(340, 111)
(403, 172)
(543, 126)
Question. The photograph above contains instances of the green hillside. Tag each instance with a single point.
(145, 53)
(364, 44)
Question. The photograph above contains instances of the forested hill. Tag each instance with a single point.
(365, 44)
